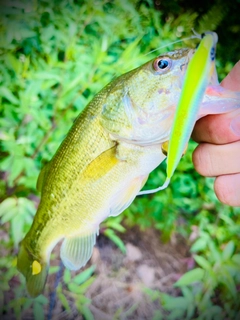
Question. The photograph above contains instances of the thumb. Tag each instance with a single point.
(232, 80)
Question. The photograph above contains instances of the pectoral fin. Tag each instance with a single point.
(76, 251)
(125, 196)
(100, 166)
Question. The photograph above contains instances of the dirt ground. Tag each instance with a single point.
(119, 290)
(122, 278)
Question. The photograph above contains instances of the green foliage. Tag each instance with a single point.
(54, 57)
(210, 290)
(19, 212)
(110, 227)
(75, 289)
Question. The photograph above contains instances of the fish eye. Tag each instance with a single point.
(162, 64)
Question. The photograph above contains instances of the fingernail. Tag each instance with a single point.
(235, 126)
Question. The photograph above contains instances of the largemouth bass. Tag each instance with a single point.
(105, 160)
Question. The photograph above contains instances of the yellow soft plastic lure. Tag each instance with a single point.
(196, 80)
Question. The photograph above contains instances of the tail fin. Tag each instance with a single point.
(34, 271)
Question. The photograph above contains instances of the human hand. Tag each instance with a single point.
(218, 153)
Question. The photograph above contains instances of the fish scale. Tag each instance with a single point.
(105, 160)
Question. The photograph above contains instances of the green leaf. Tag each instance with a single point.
(212, 313)
(41, 299)
(67, 276)
(86, 312)
(228, 251)
(13, 62)
(177, 314)
(17, 226)
(158, 315)
(83, 300)
(7, 94)
(153, 294)
(7, 205)
(116, 226)
(73, 287)
(64, 301)
(84, 286)
(226, 279)
(191, 310)
(199, 245)
(112, 236)
(10, 215)
(176, 303)
(38, 311)
(202, 262)
(72, 85)
(46, 75)
(236, 259)
(53, 269)
(190, 277)
(84, 275)
(215, 253)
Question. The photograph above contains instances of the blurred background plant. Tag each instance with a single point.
(54, 57)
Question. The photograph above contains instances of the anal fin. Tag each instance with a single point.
(76, 251)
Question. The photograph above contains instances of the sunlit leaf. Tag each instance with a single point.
(236, 258)
(38, 311)
(64, 301)
(190, 277)
(84, 275)
(85, 311)
(67, 276)
(7, 94)
(226, 279)
(53, 269)
(228, 251)
(112, 236)
(199, 244)
(202, 262)
(7, 206)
